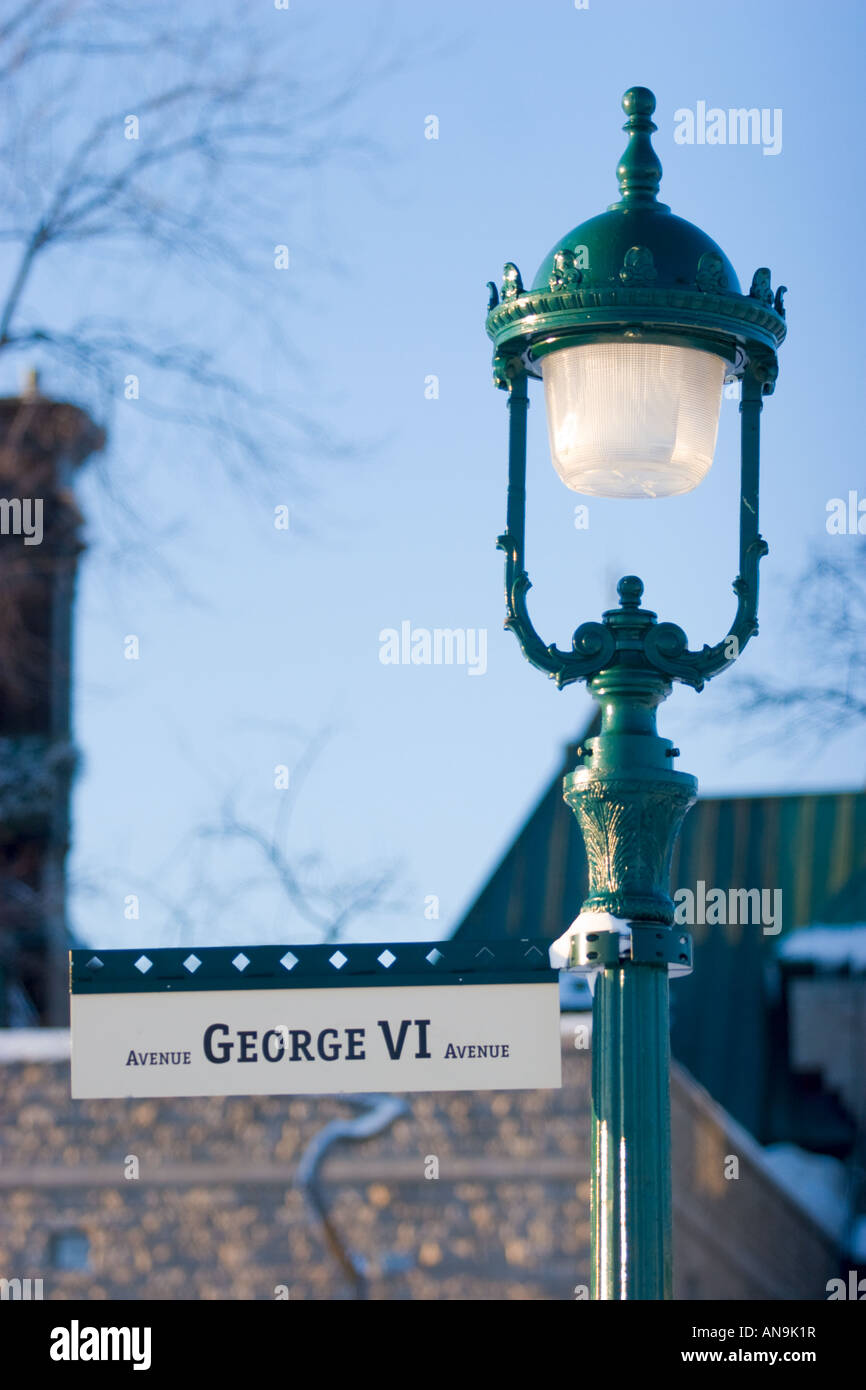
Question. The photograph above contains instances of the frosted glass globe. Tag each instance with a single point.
(631, 419)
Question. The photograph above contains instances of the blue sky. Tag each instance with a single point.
(253, 640)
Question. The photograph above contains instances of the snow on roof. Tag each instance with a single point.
(34, 1045)
(818, 1182)
(832, 948)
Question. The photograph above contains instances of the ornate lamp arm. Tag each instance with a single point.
(593, 645)
(665, 644)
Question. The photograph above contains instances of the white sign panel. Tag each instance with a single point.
(316, 1041)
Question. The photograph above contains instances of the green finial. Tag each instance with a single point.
(630, 590)
(639, 171)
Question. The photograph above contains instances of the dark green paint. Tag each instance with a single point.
(454, 963)
(634, 273)
(627, 798)
(639, 171)
(631, 1135)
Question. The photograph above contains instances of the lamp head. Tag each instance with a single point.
(633, 321)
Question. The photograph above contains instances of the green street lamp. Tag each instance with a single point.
(633, 323)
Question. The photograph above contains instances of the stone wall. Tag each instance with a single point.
(215, 1213)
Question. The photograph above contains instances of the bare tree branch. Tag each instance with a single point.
(827, 629)
(317, 897)
(236, 119)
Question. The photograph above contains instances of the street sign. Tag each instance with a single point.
(314, 1020)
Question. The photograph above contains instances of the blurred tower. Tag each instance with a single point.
(42, 442)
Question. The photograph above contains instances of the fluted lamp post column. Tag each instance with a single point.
(633, 323)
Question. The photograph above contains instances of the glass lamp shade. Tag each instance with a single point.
(631, 419)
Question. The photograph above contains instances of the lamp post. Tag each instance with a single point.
(633, 323)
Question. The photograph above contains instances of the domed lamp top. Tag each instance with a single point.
(638, 241)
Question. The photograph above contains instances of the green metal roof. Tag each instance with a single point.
(810, 846)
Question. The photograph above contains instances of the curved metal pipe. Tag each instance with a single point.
(378, 1112)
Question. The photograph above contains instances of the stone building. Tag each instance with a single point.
(200, 1199)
